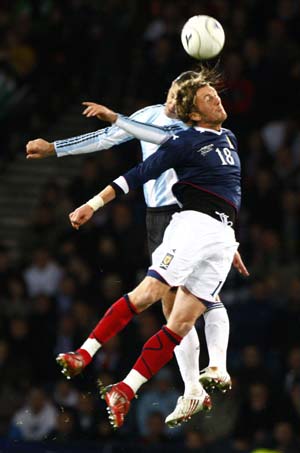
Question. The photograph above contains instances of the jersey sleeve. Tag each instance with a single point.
(125, 129)
(92, 142)
(168, 155)
(143, 131)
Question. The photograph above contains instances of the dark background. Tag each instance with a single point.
(55, 283)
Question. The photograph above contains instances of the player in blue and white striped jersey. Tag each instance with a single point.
(161, 206)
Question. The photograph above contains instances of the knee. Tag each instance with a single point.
(180, 326)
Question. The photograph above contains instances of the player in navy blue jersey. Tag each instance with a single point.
(198, 245)
(161, 205)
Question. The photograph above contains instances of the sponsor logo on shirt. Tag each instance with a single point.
(205, 149)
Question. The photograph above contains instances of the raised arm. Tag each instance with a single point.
(123, 130)
(137, 125)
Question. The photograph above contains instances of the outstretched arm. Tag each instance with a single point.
(81, 144)
(138, 129)
(123, 130)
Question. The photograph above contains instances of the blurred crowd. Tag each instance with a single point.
(125, 54)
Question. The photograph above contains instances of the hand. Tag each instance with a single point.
(239, 265)
(39, 148)
(100, 111)
(80, 216)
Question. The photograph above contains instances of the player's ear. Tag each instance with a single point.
(195, 116)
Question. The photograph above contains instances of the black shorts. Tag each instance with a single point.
(157, 220)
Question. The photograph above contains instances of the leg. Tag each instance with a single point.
(114, 320)
(186, 353)
(215, 376)
(156, 352)
(217, 334)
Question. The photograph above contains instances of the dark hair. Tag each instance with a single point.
(185, 99)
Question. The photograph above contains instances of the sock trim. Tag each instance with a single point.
(130, 305)
(171, 335)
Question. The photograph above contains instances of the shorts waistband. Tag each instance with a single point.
(167, 208)
(217, 214)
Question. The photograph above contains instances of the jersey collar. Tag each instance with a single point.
(204, 129)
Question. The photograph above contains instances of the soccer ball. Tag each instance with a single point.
(202, 37)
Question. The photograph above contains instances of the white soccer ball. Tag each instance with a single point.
(202, 37)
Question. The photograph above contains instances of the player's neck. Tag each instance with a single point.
(214, 127)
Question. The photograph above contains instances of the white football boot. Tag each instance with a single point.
(213, 378)
(186, 407)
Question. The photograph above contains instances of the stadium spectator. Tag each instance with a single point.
(43, 275)
(36, 419)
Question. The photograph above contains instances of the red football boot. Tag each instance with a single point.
(72, 363)
(117, 402)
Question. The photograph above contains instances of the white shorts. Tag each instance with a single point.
(196, 252)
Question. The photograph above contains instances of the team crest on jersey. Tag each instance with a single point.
(205, 149)
(166, 261)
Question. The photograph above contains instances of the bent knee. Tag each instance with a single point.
(181, 327)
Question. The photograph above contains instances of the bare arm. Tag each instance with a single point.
(83, 214)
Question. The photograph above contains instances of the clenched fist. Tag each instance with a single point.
(39, 148)
(80, 216)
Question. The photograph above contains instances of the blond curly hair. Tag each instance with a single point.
(185, 99)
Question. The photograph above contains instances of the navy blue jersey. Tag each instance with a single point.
(202, 158)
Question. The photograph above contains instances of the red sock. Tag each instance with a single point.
(157, 351)
(114, 320)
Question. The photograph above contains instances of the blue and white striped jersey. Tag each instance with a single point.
(157, 192)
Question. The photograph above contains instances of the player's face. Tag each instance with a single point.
(210, 111)
(170, 107)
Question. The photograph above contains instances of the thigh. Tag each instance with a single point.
(210, 274)
(186, 310)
